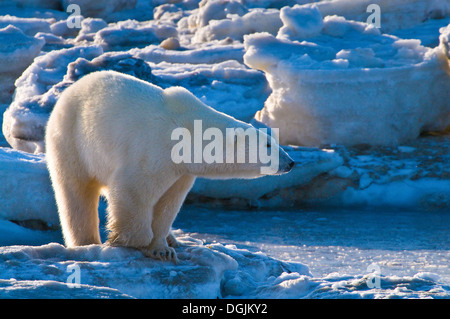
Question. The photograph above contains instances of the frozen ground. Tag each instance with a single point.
(350, 221)
(242, 254)
(340, 246)
(398, 222)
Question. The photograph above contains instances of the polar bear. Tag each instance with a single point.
(110, 134)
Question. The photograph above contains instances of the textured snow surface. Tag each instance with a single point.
(329, 77)
(208, 271)
(345, 83)
(230, 254)
(17, 51)
(364, 212)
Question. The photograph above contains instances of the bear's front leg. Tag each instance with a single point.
(164, 213)
(172, 241)
(131, 199)
(159, 249)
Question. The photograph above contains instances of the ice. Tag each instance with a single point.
(25, 120)
(429, 276)
(214, 74)
(394, 14)
(300, 23)
(222, 85)
(25, 198)
(339, 246)
(202, 55)
(17, 51)
(288, 286)
(48, 289)
(83, 35)
(172, 62)
(278, 4)
(366, 191)
(425, 193)
(100, 9)
(118, 61)
(29, 26)
(47, 4)
(427, 32)
(31, 12)
(131, 33)
(350, 84)
(235, 27)
(14, 234)
(215, 10)
(311, 163)
(342, 178)
(39, 203)
(42, 83)
(445, 40)
(204, 271)
(411, 177)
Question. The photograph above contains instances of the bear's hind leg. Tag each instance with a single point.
(78, 211)
(129, 216)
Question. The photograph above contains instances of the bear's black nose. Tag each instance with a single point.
(291, 164)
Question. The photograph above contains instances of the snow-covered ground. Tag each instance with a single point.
(364, 212)
(245, 254)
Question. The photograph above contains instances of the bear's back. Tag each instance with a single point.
(107, 85)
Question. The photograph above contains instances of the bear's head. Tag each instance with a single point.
(228, 148)
(212, 144)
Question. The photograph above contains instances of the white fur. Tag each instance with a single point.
(110, 133)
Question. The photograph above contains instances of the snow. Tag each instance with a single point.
(339, 246)
(204, 271)
(203, 55)
(24, 121)
(300, 23)
(17, 51)
(235, 27)
(365, 73)
(215, 10)
(311, 163)
(362, 111)
(395, 14)
(231, 261)
(131, 33)
(26, 189)
(29, 26)
(100, 9)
